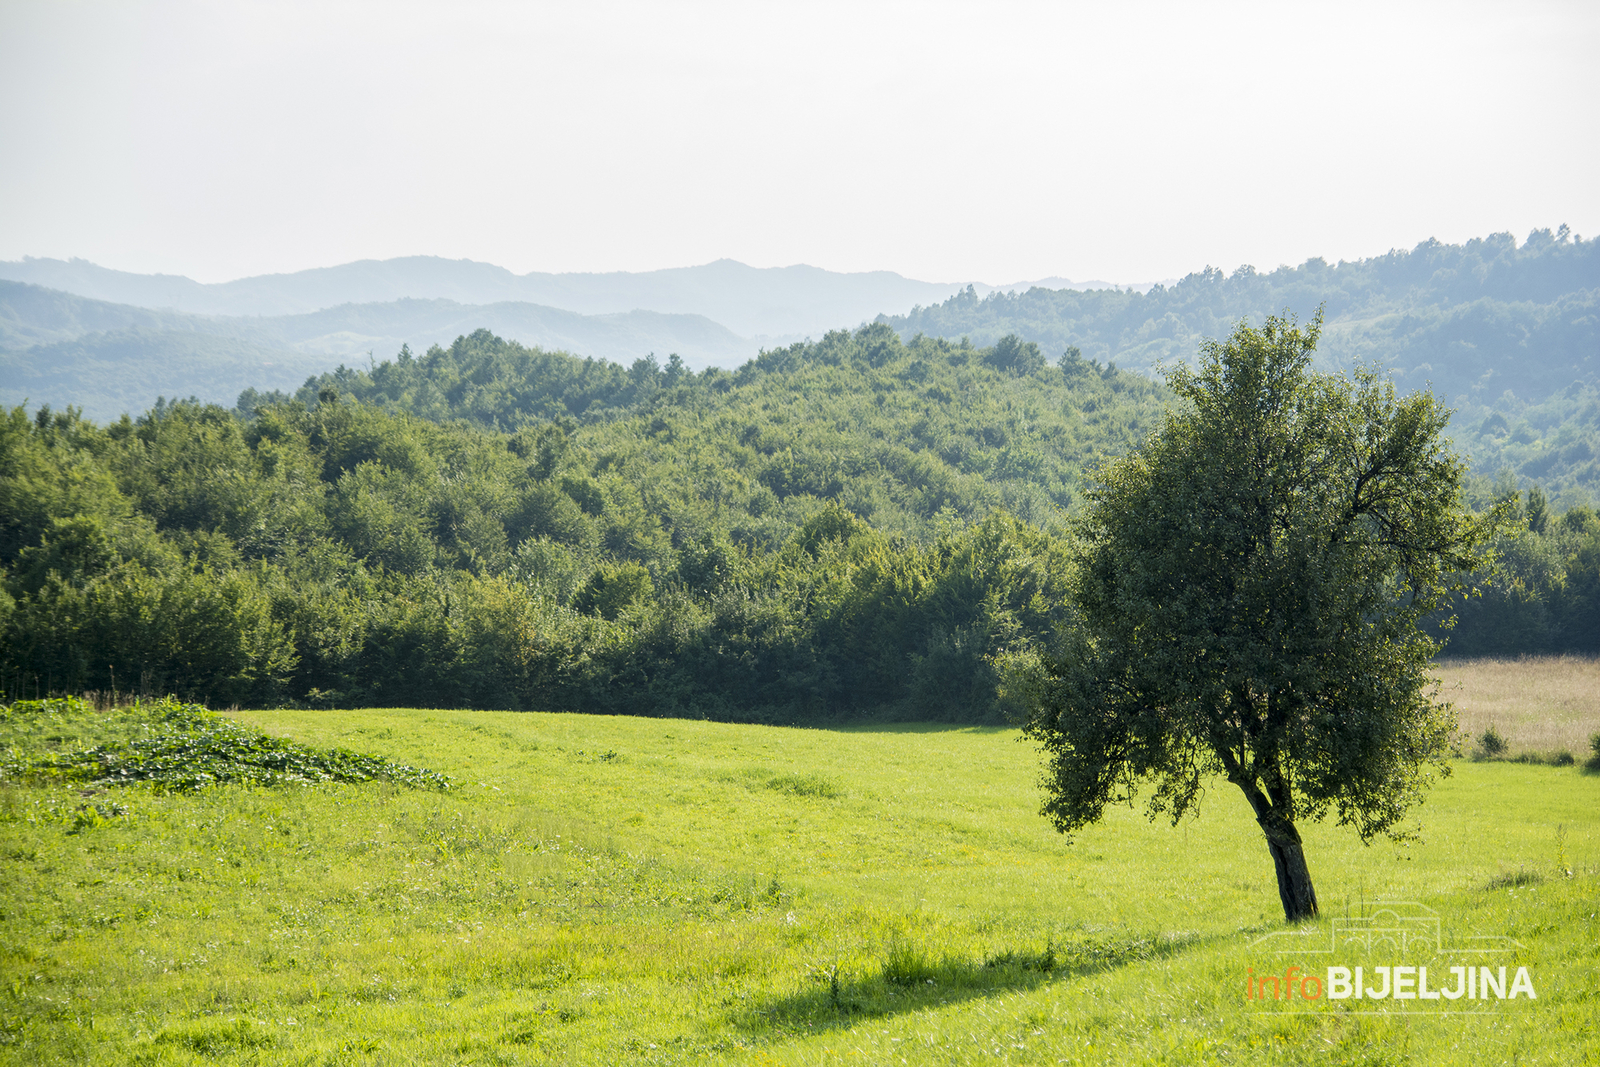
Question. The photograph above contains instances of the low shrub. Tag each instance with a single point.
(1554, 758)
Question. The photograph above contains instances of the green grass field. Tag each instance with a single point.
(605, 890)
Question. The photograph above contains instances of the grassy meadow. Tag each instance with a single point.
(627, 890)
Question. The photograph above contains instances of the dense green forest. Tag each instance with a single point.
(1507, 334)
(858, 526)
(826, 532)
(1546, 596)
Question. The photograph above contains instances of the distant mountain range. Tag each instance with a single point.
(1507, 334)
(108, 358)
(772, 304)
(110, 341)
(1471, 321)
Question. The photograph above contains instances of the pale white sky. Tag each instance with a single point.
(993, 141)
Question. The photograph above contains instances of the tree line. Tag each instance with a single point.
(857, 526)
(824, 533)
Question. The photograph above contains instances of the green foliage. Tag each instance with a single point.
(1249, 584)
(1505, 334)
(858, 526)
(1550, 440)
(613, 589)
(177, 747)
(1544, 593)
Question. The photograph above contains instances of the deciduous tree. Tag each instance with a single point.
(1248, 585)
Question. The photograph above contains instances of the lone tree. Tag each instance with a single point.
(1249, 584)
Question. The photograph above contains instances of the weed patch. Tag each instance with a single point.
(183, 747)
(805, 785)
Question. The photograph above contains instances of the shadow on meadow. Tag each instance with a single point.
(910, 979)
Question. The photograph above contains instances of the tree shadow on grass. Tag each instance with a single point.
(909, 979)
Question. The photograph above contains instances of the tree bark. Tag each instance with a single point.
(1295, 891)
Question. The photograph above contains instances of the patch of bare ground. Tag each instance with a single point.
(1538, 704)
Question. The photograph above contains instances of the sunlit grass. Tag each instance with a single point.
(601, 890)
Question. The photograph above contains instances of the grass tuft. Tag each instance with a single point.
(1043, 962)
(805, 785)
(1514, 880)
(213, 1037)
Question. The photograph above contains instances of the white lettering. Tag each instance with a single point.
(1339, 983)
(1422, 985)
(1383, 990)
(1404, 979)
(1461, 984)
(1522, 984)
(1488, 983)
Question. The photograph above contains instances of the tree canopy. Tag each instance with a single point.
(846, 528)
(1249, 585)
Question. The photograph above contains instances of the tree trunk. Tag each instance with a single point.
(1298, 895)
(1295, 891)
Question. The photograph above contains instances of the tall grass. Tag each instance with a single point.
(1537, 704)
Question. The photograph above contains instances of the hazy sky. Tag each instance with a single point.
(990, 141)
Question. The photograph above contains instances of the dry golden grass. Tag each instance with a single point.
(1537, 703)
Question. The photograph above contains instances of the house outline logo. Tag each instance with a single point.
(1402, 926)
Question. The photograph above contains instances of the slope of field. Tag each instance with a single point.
(619, 890)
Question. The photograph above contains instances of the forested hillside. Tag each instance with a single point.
(855, 526)
(1508, 335)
